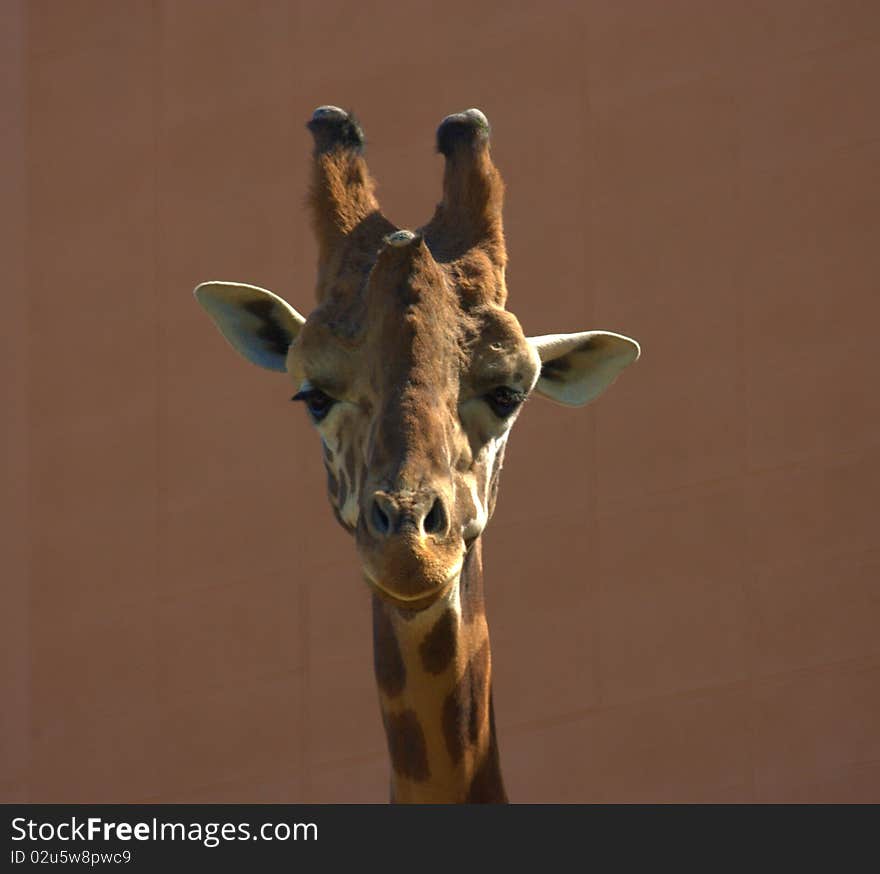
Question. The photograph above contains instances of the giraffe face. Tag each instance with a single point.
(413, 394)
(410, 367)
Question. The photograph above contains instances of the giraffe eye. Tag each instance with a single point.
(317, 402)
(504, 401)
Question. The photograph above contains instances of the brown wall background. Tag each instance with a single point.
(682, 578)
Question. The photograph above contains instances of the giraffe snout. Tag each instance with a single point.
(409, 550)
(422, 513)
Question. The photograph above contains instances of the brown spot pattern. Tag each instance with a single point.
(438, 647)
(406, 745)
(387, 658)
(464, 709)
(487, 786)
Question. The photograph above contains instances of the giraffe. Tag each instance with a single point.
(413, 372)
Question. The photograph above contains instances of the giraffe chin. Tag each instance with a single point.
(414, 602)
(409, 569)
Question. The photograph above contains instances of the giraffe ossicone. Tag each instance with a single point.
(413, 372)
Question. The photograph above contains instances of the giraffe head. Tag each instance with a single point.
(410, 367)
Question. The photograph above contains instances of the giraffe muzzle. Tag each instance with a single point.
(408, 550)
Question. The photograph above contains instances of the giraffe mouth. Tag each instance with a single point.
(414, 601)
(410, 570)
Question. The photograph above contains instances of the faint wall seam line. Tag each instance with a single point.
(801, 465)
(867, 663)
(160, 520)
(742, 391)
(24, 42)
(304, 763)
(582, 713)
(595, 583)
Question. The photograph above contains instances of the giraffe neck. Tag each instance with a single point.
(434, 673)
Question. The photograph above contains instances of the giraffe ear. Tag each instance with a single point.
(259, 325)
(577, 368)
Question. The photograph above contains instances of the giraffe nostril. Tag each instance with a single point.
(381, 522)
(435, 521)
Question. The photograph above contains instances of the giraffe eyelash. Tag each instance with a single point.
(318, 403)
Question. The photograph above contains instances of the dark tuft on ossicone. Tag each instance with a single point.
(470, 127)
(332, 127)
